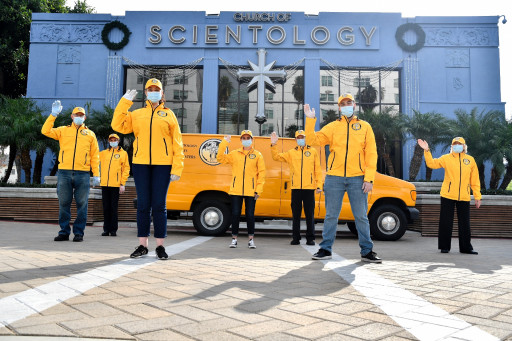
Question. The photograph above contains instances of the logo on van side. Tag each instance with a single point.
(208, 152)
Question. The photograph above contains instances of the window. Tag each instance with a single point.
(139, 79)
(269, 113)
(181, 80)
(180, 112)
(299, 114)
(395, 83)
(269, 96)
(327, 97)
(361, 82)
(326, 80)
(267, 128)
(180, 94)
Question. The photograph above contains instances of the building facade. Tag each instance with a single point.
(388, 62)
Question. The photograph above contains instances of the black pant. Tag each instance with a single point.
(236, 210)
(110, 199)
(446, 224)
(306, 197)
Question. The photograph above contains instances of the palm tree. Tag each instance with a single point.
(431, 127)
(368, 95)
(388, 127)
(7, 134)
(225, 89)
(328, 117)
(298, 94)
(290, 130)
(507, 139)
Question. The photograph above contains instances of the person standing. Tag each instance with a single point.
(306, 178)
(78, 155)
(351, 168)
(248, 169)
(157, 160)
(460, 176)
(115, 169)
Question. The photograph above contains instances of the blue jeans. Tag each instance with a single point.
(151, 184)
(335, 187)
(71, 183)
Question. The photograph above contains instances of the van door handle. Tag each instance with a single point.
(286, 185)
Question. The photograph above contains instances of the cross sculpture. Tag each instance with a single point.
(261, 74)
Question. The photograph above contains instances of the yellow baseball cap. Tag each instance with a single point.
(246, 132)
(78, 109)
(344, 96)
(459, 139)
(113, 135)
(155, 82)
(300, 132)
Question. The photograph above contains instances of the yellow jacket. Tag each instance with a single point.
(353, 151)
(78, 146)
(305, 170)
(157, 133)
(460, 175)
(248, 170)
(115, 167)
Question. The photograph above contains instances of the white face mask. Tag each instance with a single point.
(78, 120)
(347, 110)
(154, 96)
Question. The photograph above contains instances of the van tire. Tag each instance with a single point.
(387, 222)
(352, 227)
(211, 218)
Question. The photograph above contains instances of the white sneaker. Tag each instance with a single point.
(233, 243)
(251, 244)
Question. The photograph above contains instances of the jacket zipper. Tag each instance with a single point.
(151, 133)
(165, 147)
(108, 173)
(460, 175)
(301, 166)
(243, 178)
(346, 151)
(74, 152)
(234, 179)
(137, 146)
(333, 157)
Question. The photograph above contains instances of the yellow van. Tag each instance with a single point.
(204, 185)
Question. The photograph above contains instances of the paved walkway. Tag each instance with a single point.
(207, 291)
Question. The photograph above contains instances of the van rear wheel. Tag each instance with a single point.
(211, 218)
(352, 227)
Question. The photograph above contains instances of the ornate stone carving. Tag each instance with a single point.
(457, 83)
(457, 57)
(461, 36)
(66, 33)
(69, 54)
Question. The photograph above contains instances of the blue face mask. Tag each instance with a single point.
(114, 144)
(78, 120)
(457, 148)
(301, 142)
(347, 110)
(246, 143)
(154, 96)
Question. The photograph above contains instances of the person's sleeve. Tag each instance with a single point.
(95, 157)
(122, 120)
(370, 156)
(319, 138)
(318, 172)
(276, 156)
(125, 169)
(178, 157)
(261, 175)
(222, 157)
(431, 162)
(475, 182)
(49, 130)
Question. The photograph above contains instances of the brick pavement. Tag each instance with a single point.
(275, 292)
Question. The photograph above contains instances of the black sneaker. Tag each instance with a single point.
(113, 234)
(371, 257)
(322, 254)
(295, 242)
(105, 234)
(310, 242)
(139, 252)
(78, 238)
(61, 237)
(160, 253)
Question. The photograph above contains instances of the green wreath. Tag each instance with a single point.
(106, 31)
(420, 37)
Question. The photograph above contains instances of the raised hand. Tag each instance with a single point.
(423, 144)
(174, 177)
(56, 108)
(227, 138)
(130, 94)
(274, 138)
(309, 112)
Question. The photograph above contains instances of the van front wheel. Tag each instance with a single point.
(211, 218)
(387, 222)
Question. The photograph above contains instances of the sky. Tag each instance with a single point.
(408, 9)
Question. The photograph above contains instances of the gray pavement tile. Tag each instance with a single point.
(103, 332)
(94, 322)
(162, 335)
(36, 319)
(336, 317)
(52, 329)
(209, 326)
(484, 311)
(221, 336)
(256, 330)
(193, 313)
(317, 330)
(144, 326)
(279, 337)
(289, 316)
(373, 331)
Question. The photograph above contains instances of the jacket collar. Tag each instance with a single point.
(149, 105)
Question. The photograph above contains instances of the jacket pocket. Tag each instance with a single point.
(85, 161)
(333, 157)
(62, 157)
(361, 168)
(137, 150)
(252, 183)
(449, 185)
(469, 189)
(311, 178)
(117, 177)
(165, 143)
(234, 179)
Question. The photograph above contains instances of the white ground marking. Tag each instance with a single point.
(26, 303)
(419, 317)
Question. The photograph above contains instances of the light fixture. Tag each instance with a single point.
(504, 21)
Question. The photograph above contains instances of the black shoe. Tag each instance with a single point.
(61, 237)
(160, 253)
(322, 254)
(310, 242)
(78, 238)
(445, 250)
(105, 234)
(295, 242)
(113, 234)
(371, 257)
(139, 252)
(471, 252)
